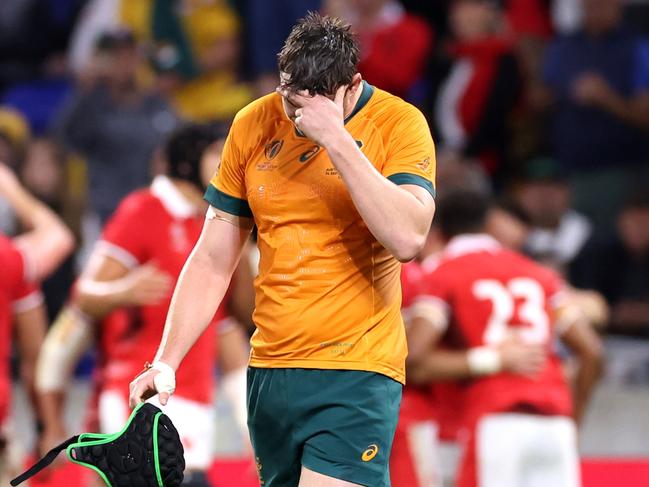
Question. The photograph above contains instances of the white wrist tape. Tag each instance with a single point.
(165, 381)
(484, 361)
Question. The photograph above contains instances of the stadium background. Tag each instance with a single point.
(501, 127)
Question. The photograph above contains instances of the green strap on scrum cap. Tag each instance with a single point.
(129, 454)
(95, 439)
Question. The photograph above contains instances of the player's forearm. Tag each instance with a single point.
(440, 365)
(588, 374)
(30, 329)
(96, 299)
(198, 293)
(396, 217)
(633, 111)
(51, 405)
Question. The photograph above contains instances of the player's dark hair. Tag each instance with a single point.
(320, 55)
(185, 147)
(638, 199)
(462, 211)
(513, 209)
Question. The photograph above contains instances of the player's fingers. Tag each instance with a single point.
(135, 397)
(296, 98)
(164, 398)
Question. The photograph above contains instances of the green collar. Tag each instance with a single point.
(366, 94)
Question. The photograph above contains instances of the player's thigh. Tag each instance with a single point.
(557, 457)
(501, 448)
(414, 461)
(309, 478)
(271, 423)
(348, 424)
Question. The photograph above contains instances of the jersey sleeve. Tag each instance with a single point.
(432, 301)
(24, 294)
(411, 152)
(227, 189)
(27, 297)
(555, 289)
(125, 237)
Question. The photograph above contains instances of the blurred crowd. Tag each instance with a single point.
(544, 103)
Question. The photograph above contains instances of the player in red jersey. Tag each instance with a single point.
(26, 260)
(429, 411)
(414, 460)
(502, 312)
(127, 287)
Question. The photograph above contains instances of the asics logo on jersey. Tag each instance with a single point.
(370, 453)
(310, 153)
(272, 149)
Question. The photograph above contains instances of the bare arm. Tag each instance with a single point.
(427, 362)
(587, 346)
(399, 217)
(200, 289)
(242, 303)
(68, 338)
(107, 284)
(634, 111)
(591, 89)
(47, 241)
(30, 327)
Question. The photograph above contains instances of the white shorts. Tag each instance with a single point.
(194, 422)
(525, 450)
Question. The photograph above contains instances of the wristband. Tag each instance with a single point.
(484, 361)
(165, 381)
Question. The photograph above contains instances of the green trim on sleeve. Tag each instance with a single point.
(408, 178)
(225, 202)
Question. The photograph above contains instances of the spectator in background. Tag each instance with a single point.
(529, 17)
(508, 223)
(388, 33)
(599, 79)
(620, 269)
(566, 15)
(43, 172)
(14, 135)
(114, 123)
(558, 232)
(33, 38)
(197, 54)
(268, 25)
(478, 85)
